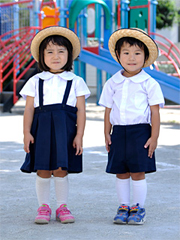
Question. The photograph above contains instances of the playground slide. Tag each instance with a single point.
(170, 85)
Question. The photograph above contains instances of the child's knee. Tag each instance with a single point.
(59, 173)
(123, 175)
(138, 176)
(44, 173)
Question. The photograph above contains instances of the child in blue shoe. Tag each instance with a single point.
(131, 99)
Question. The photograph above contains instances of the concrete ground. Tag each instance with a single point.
(92, 197)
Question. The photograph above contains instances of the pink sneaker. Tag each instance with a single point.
(64, 215)
(44, 214)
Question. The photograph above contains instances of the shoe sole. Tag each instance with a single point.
(137, 223)
(41, 221)
(65, 221)
(119, 222)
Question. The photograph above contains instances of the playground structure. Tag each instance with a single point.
(93, 21)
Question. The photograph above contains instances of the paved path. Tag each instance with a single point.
(92, 197)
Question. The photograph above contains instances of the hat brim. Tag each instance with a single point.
(138, 34)
(55, 30)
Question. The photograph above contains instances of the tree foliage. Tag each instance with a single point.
(165, 13)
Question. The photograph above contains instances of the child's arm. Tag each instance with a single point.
(81, 119)
(28, 118)
(155, 122)
(107, 128)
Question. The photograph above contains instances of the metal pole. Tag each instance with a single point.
(61, 5)
(124, 13)
(107, 32)
(16, 16)
(153, 16)
(99, 85)
(36, 10)
(83, 70)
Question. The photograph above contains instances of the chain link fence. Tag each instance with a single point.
(15, 15)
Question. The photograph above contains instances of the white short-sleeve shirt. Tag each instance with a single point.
(54, 88)
(130, 98)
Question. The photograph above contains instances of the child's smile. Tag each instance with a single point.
(132, 59)
(55, 57)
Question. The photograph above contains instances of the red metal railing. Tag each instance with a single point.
(15, 3)
(16, 51)
(170, 51)
(172, 48)
(171, 61)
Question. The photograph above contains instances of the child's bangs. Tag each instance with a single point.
(59, 40)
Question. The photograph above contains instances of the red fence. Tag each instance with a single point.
(15, 39)
(170, 51)
(15, 51)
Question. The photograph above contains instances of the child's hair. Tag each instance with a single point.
(132, 41)
(56, 40)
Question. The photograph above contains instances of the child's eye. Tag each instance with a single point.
(138, 53)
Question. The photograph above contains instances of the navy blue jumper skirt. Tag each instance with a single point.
(54, 129)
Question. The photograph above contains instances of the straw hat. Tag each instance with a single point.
(138, 34)
(55, 30)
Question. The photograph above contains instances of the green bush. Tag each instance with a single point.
(165, 13)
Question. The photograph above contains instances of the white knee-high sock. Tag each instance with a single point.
(61, 189)
(139, 192)
(123, 190)
(43, 190)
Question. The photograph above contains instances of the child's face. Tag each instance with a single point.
(131, 58)
(55, 57)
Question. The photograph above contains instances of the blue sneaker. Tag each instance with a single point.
(122, 214)
(137, 215)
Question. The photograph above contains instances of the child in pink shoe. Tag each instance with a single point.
(54, 119)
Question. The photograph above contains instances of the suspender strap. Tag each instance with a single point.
(41, 81)
(66, 94)
(67, 91)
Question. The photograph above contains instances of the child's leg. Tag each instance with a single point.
(62, 189)
(61, 186)
(137, 212)
(43, 188)
(123, 188)
(43, 180)
(123, 192)
(139, 186)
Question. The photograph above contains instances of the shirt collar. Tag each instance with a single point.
(64, 75)
(138, 78)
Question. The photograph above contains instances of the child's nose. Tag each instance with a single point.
(132, 56)
(55, 54)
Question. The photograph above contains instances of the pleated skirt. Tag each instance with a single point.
(53, 129)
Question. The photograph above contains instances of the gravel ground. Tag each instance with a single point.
(92, 197)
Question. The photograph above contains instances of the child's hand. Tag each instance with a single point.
(152, 144)
(108, 142)
(77, 143)
(28, 138)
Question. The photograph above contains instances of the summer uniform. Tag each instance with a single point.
(54, 122)
(130, 100)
